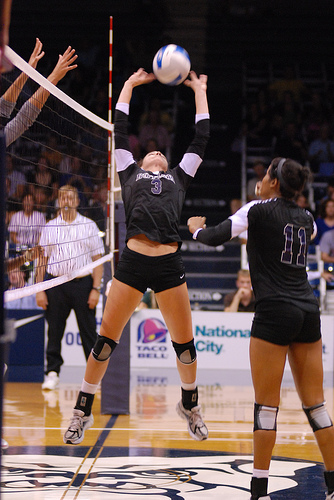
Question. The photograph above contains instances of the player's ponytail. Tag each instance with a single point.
(292, 176)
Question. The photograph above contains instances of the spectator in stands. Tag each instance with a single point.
(98, 210)
(242, 299)
(12, 205)
(165, 117)
(51, 152)
(26, 225)
(259, 169)
(289, 83)
(78, 178)
(315, 113)
(31, 109)
(41, 200)
(28, 256)
(257, 126)
(325, 221)
(289, 109)
(321, 150)
(17, 180)
(327, 247)
(43, 175)
(291, 144)
(70, 242)
(302, 201)
(154, 130)
(17, 279)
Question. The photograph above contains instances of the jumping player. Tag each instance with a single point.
(287, 317)
(153, 196)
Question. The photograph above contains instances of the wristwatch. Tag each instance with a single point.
(97, 288)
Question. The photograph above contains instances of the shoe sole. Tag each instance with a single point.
(182, 415)
(87, 425)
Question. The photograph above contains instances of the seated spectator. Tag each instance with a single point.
(321, 150)
(154, 130)
(327, 247)
(17, 279)
(78, 178)
(257, 126)
(17, 179)
(98, 210)
(12, 205)
(289, 83)
(243, 299)
(289, 109)
(302, 201)
(26, 225)
(42, 176)
(260, 169)
(315, 113)
(325, 221)
(291, 144)
(52, 152)
(165, 118)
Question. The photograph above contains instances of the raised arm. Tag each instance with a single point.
(12, 94)
(64, 65)
(199, 86)
(140, 77)
(31, 109)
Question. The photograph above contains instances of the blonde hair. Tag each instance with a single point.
(244, 273)
(68, 187)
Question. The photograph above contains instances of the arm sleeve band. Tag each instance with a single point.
(214, 236)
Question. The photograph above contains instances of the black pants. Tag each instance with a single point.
(62, 299)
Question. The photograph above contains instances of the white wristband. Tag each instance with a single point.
(196, 233)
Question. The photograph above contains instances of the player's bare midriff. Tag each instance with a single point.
(141, 244)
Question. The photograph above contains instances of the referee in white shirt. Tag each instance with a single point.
(70, 241)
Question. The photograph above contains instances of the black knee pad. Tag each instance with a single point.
(103, 348)
(186, 352)
(318, 416)
(265, 417)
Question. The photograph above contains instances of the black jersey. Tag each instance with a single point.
(153, 201)
(279, 233)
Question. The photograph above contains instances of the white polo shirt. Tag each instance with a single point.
(70, 246)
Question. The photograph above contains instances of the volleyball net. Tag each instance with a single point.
(66, 145)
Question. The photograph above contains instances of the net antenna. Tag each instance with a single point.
(113, 189)
(113, 180)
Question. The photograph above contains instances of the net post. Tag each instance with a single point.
(109, 235)
(115, 385)
(2, 270)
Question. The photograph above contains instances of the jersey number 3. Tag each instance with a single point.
(287, 254)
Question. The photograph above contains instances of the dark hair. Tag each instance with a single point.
(323, 207)
(292, 176)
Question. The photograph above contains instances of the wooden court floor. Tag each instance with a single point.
(149, 452)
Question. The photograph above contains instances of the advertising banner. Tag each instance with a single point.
(221, 339)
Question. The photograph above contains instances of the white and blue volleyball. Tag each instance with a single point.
(171, 64)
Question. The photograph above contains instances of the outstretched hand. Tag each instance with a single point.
(37, 54)
(64, 64)
(141, 77)
(195, 223)
(196, 82)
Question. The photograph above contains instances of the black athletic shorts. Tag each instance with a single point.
(158, 273)
(282, 323)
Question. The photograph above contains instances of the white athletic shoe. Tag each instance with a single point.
(4, 444)
(76, 430)
(196, 427)
(51, 381)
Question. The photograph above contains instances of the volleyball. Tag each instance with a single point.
(171, 64)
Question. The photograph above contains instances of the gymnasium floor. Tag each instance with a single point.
(149, 452)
